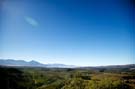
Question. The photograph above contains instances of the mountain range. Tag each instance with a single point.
(12, 62)
(21, 63)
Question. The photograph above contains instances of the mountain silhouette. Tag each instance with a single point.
(33, 63)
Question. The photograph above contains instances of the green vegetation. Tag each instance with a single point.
(66, 78)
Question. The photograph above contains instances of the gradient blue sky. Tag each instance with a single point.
(75, 32)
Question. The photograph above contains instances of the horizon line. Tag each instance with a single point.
(70, 64)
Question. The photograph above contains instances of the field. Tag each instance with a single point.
(66, 78)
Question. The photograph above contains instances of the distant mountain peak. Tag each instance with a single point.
(32, 61)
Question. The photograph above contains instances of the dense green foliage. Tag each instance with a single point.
(66, 78)
(11, 78)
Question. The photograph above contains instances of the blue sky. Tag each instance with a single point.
(75, 32)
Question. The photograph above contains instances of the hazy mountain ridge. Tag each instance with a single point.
(32, 63)
(12, 62)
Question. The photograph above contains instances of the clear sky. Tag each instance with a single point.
(75, 32)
